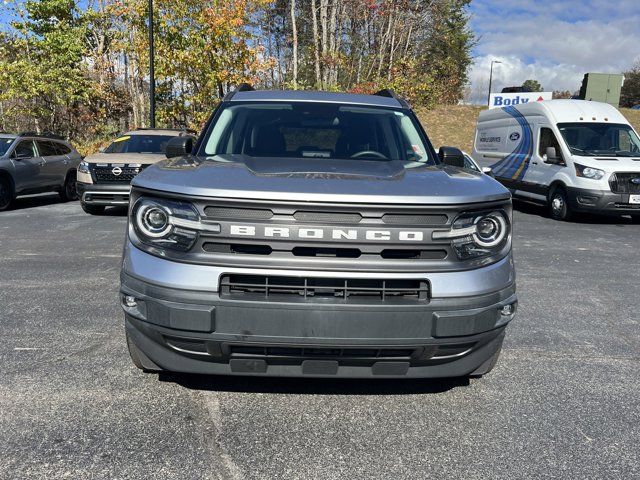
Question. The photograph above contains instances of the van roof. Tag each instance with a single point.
(564, 111)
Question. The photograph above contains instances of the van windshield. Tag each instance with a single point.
(317, 130)
(591, 139)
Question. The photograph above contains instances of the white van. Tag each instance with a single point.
(572, 155)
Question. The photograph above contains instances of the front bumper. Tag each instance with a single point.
(600, 201)
(104, 194)
(177, 327)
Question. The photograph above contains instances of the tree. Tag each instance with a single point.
(561, 94)
(532, 85)
(630, 94)
(81, 67)
(45, 79)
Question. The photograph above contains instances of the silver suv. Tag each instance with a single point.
(316, 234)
(104, 178)
(32, 163)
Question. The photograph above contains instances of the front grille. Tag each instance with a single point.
(115, 174)
(623, 182)
(282, 288)
(313, 236)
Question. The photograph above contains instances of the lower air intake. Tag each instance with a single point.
(281, 288)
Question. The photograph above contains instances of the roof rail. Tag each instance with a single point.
(42, 135)
(389, 93)
(243, 87)
(188, 130)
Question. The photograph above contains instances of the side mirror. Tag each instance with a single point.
(179, 146)
(102, 149)
(551, 155)
(451, 156)
(487, 171)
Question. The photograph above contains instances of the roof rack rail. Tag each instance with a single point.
(243, 87)
(389, 93)
(190, 130)
(42, 135)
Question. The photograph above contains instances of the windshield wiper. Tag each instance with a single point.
(588, 153)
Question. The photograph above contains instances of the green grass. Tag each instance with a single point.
(455, 125)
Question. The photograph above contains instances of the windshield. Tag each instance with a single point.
(5, 143)
(139, 144)
(593, 139)
(317, 130)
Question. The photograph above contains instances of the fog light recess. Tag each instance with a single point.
(508, 310)
(130, 301)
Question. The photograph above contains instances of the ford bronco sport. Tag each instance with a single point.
(316, 234)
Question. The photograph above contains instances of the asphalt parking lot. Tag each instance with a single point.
(563, 402)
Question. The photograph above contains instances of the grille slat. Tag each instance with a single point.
(238, 213)
(277, 287)
(327, 217)
(405, 219)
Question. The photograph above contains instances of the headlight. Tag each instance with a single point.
(478, 234)
(165, 223)
(588, 172)
(83, 167)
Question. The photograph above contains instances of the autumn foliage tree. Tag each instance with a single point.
(81, 68)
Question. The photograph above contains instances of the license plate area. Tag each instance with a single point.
(634, 199)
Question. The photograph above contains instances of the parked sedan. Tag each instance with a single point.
(33, 163)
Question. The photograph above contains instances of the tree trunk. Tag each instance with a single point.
(316, 46)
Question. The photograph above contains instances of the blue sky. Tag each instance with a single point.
(553, 41)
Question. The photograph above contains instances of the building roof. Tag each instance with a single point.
(314, 96)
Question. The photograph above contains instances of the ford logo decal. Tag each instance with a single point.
(636, 180)
(514, 136)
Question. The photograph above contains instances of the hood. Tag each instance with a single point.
(316, 179)
(610, 164)
(141, 158)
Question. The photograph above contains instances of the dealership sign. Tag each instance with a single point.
(498, 100)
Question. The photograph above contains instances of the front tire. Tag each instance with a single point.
(69, 192)
(559, 208)
(92, 209)
(6, 193)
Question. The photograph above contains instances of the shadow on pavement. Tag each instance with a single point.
(314, 386)
(586, 218)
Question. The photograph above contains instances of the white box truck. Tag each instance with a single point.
(572, 155)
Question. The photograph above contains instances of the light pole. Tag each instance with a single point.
(490, 80)
(152, 76)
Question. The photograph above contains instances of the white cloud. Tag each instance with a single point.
(554, 43)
